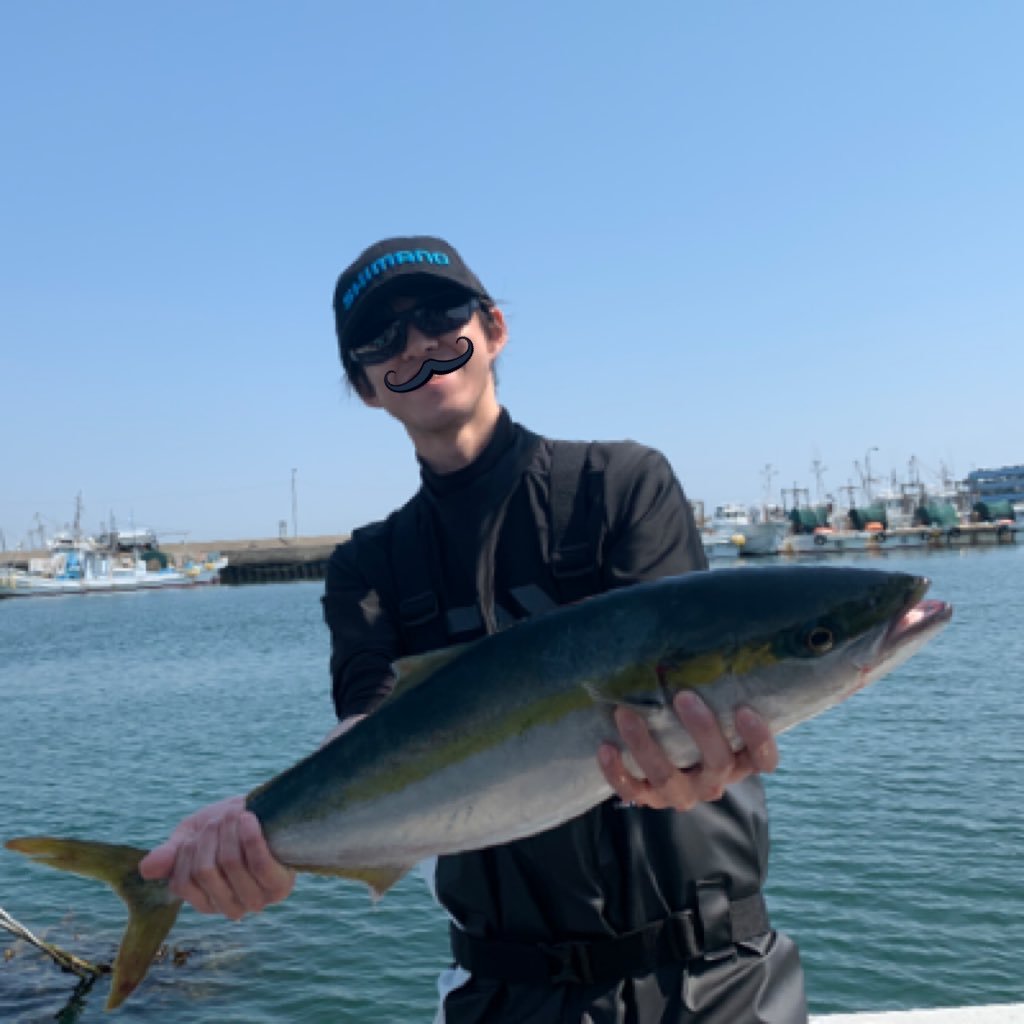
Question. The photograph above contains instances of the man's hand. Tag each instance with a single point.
(667, 786)
(218, 860)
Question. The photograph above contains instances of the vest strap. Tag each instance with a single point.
(574, 521)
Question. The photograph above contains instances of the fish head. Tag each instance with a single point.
(801, 639)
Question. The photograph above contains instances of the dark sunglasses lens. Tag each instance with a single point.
(382, 347)
(434, 320)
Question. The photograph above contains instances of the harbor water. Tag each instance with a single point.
(897, 821)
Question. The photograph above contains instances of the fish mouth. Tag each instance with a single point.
(918, 620)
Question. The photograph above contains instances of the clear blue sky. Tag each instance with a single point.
(744, 233)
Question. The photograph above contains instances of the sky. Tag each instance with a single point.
(748, 234)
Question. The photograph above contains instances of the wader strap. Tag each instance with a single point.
(573, 538)
(676, 939)
(419, 605)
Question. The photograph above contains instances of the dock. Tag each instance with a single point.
(260, 560)
(1009, 1013)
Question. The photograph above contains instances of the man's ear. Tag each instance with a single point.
(496, 330)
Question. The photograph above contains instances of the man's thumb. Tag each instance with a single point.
(159, 862)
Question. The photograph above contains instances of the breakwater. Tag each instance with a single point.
(278, 563)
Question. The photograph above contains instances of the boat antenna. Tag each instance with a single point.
(767, 474)
(818, 469)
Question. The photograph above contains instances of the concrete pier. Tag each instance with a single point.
(1009, 1013)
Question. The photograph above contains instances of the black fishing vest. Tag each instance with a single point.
(574, 531)
(549, 926)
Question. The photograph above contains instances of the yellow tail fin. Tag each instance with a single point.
(151, 908)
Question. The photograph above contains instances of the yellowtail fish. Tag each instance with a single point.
(497, 739)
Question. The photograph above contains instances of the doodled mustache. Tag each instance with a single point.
(430, 368)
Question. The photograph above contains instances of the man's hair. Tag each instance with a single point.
(355, 375)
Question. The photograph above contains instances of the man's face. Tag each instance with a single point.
(425, 401)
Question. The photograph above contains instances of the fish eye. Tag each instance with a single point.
(819, 640)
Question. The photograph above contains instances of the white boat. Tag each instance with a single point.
(80, 567)
(759, 535)
(829, 542)
(718, 548)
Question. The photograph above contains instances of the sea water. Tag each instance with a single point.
(897, 820)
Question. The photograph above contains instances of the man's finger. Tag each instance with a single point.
(273, 878)
(716, 755)
(630, 789)
(650, 758)
(159, 862)
(181, 883)
(208, 877)
(758, 740)
(234, 868)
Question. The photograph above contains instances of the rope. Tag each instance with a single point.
(66, 961)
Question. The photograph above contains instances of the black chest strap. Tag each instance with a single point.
(576, 517)
(416, 572)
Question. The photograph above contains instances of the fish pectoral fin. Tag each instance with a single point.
(379, 879)
(413, 670)
(152, 910)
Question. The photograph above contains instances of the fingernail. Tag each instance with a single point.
(687, 701)
(745, 716)
(604, 755)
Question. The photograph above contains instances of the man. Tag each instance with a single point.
(648, 907)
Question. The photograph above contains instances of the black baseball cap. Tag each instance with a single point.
(392, 267)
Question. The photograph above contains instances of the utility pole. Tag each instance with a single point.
(78, 517)
(295, 507)
(37, 529)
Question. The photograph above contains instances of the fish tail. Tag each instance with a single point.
(152, 910)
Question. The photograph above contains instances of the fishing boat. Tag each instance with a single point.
(83, 567)
(718, 548)
(758, 534)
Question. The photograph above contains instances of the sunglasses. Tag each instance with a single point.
(433, 318)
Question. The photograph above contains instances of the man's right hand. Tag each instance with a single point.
(218, 860)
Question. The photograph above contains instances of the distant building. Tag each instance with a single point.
(1003, 484)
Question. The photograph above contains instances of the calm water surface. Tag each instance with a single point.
(898, 830)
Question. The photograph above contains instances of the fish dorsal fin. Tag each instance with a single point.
(411, 671)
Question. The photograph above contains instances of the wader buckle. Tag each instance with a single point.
(571, 964)
(715, 913)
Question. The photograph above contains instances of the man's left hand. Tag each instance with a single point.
(667, 786)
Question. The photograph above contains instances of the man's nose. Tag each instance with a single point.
(418, 344)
